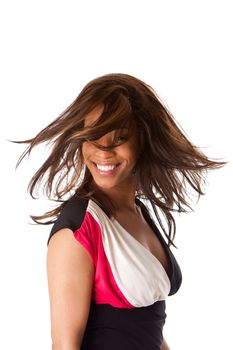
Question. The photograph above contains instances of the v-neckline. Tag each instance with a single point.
(139, 204)
(141, 245)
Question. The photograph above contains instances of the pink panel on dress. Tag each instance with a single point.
(105, 291)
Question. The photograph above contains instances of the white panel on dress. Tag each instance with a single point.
(138, 273)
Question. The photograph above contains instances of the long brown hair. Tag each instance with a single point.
(168, 165)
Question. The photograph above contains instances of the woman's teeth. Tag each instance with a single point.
(105, 167)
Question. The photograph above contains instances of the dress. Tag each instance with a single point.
(130, 287)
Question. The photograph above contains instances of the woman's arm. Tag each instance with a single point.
(164, 345)
(70, 272)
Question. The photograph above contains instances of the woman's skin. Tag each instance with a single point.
(118, 183)
(164, 345)
(112, 173)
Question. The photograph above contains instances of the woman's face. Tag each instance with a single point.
(111, 168)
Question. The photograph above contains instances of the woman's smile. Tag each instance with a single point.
(106, 169)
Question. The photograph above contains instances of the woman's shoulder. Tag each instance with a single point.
(71, 216)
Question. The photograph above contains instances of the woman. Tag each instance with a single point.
(119, 163)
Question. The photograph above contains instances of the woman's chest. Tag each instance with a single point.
(139, 230)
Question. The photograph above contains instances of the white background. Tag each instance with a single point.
(49, 51)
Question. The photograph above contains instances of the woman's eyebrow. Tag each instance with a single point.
(123, 127)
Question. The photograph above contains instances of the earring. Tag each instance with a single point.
(133, 172)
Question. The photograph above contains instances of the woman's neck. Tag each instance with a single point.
(118, 199)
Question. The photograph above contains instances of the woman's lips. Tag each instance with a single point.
(105, 169)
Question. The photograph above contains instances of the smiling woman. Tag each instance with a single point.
(117, 153)
(112, 158)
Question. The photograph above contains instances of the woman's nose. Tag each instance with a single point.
(106, 140)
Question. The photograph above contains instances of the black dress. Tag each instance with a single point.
(127, 310)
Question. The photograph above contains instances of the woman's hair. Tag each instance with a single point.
(168, 164)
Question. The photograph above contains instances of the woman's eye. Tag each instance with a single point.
(121, 138)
